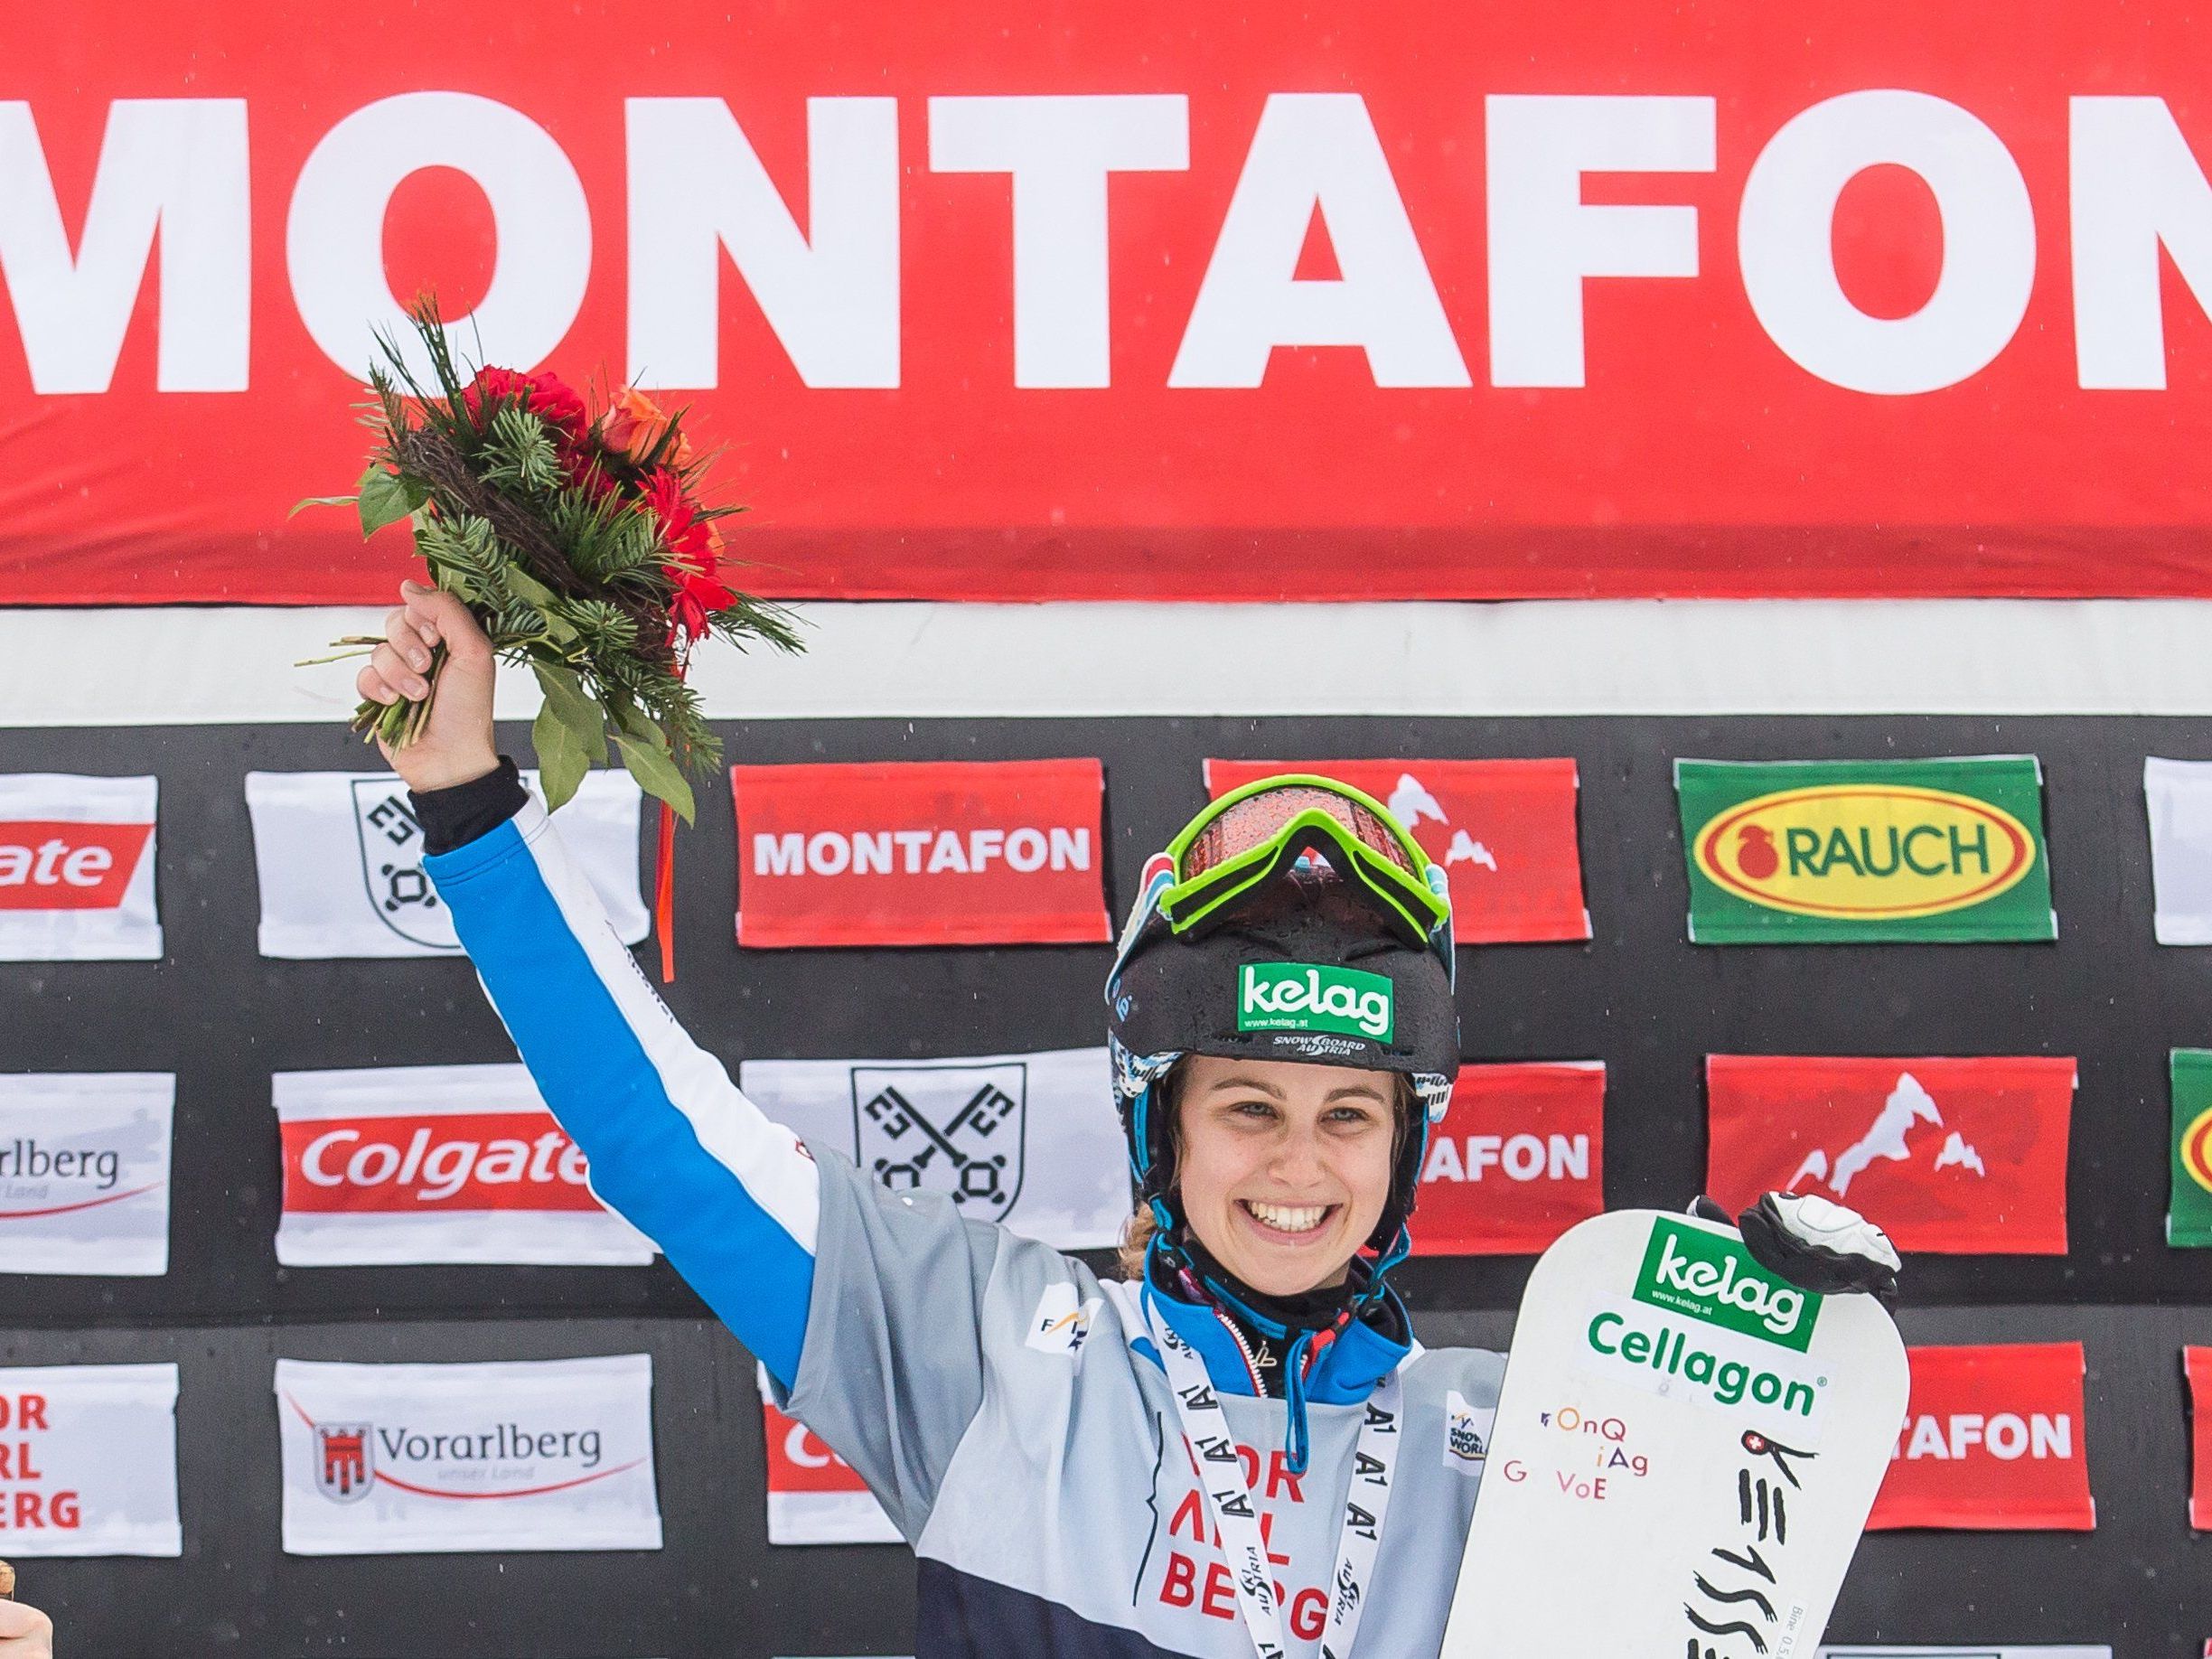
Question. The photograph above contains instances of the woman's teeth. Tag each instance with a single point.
(1289, 1217)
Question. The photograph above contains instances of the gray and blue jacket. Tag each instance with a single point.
(1003, 1403)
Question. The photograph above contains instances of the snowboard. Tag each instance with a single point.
(1685, 1453)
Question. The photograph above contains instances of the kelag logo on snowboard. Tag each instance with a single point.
(1304, 996)
(1866, 851)
(1688, 1271)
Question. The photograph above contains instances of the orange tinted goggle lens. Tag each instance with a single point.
(1256, 819)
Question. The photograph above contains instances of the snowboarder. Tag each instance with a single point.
(1205, 1460)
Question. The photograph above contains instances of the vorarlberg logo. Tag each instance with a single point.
(1708, 1277)
(1304, 996)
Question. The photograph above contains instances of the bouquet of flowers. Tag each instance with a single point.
(578, 539)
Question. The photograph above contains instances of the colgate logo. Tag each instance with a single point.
(514, 1160)
(49, 864)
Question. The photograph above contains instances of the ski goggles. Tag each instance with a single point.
(1244, 840)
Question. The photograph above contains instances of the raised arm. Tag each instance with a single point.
(731, 1199)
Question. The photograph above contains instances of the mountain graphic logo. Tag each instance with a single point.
(1888, 1139)
(1412, 804)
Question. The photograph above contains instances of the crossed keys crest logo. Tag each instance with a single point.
(344, 1461)
(400, 895)
(955, 1129)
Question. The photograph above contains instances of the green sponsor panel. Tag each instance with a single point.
(1710, 1277)
(1866, 852)
(1310, 997)
(2188, 1217)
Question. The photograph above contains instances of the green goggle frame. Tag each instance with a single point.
(1409, 900)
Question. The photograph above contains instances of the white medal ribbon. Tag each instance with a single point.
(1205, 1425)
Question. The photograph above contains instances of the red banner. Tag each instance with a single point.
(1993, 1441)
(1000, 301)
(2197, 1366)
(1949, 1155)
(1503, 830)
(798, 1462)
(50, 866)
(1519, 1158)
(487, 1160)
(921, 853)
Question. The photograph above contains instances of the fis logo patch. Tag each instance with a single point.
(1061, 1326)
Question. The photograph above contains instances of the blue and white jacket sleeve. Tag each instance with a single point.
(732, 1199)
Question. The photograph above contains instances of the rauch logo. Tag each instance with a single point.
(2196, 1151)
(1689, 1270)
(1865, 850)
(1302, 996)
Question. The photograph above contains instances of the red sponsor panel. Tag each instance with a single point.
(921, 853)
(1576, 319)
(1950, 1155)
(799, 1462)
(814, 1495)
(1519, 1158)
(2197, 1366)
(1503, 830)
(47, 865)
(504, 1160)
(1993, 1441)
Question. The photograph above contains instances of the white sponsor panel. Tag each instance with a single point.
(402, 1166)
(84, 1173)
(814, 1495)
(340, 860)
(88, 1460)
(2009, 1650)
(1029, 1141)
(2178, 796)
(77, 869)
(414, 1459)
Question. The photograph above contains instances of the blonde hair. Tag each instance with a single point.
(1138, 1232)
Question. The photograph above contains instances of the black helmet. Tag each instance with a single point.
(1305, 960)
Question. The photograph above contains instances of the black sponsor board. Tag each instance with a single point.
(1639, 996)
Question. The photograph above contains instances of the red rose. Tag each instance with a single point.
(691, 545)
(546, 395)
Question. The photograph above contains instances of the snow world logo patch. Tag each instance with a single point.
(399, 891)
(1467, 1434)
(954, 1129)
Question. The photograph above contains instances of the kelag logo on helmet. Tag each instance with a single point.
(1937, 851)
(1309, 997)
